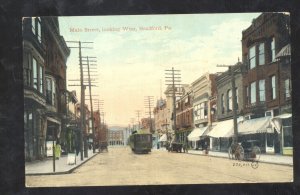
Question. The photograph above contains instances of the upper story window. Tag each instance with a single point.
(247, 95)
(33, 73)
(41, 79)
(50, 91)
(252, 59)
(222, 104)
(287, 88)
(273, 87)
(237, 97)
(229, 100)
(273, 49)
(253, 92)
(36, 28)
(261, 53)
(262, 91)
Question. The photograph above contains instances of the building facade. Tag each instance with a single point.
(115, 137)
(204, 107)
(224, 92)
(44, 61)
(267, 81)
(184, 115)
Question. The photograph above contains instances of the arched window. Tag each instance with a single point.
(229, 100)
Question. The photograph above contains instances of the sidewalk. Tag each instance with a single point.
(266, 158)
(45, 167)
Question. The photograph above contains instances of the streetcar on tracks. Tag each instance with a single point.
(140, 142)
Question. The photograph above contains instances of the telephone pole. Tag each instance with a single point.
(82, 101)
(91, 100)
(138, 115)
(175, 77)
(234, 100)
(148, 101)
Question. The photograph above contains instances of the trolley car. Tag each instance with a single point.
(140, 142)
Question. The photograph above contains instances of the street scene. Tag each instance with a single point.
(122, 167)
(157, 99)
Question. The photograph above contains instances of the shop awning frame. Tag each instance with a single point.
(197, 133)
(222, 129)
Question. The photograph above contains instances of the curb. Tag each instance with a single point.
(275, 163)
(61, 172)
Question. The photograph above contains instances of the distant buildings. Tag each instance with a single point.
(263, 92)
(115, 137)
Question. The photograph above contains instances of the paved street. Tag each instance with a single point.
(121, 167)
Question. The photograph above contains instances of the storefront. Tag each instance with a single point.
(196, 136)
(220, 134)
(52, 135)
(283, 124)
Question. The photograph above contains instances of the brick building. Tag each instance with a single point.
(184, 115)
(44, 61)
(267, 79)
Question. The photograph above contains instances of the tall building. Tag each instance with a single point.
(267, 81)
(44, 61)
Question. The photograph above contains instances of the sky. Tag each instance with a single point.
(133, 52)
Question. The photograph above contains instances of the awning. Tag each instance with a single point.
(276, 122)
(285, 51)
(222, 129)
(197, 133)
(163, 138)
(53, 120)
(257, 125)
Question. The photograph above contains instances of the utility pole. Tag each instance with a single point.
(175, 77)
(234, 100)
(138, 115)
(132, 122)
(82, 101)
(91, 102)
(149, 105)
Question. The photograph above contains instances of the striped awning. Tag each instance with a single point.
(285, 51)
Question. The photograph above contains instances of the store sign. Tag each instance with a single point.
(49, 148)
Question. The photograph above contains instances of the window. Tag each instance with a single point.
(35, 73)
(287, 132)
(262, 95)
(253, 93)
(273, 49)
(222, 104)
(287, 87)
(247, 95)
(33, 25)
(229, 100)
(41, 80)
(27, 70)
(50, 91)
(252, 59)
(36, 28)
(273, 87)
(237, 98)
(261, 53)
